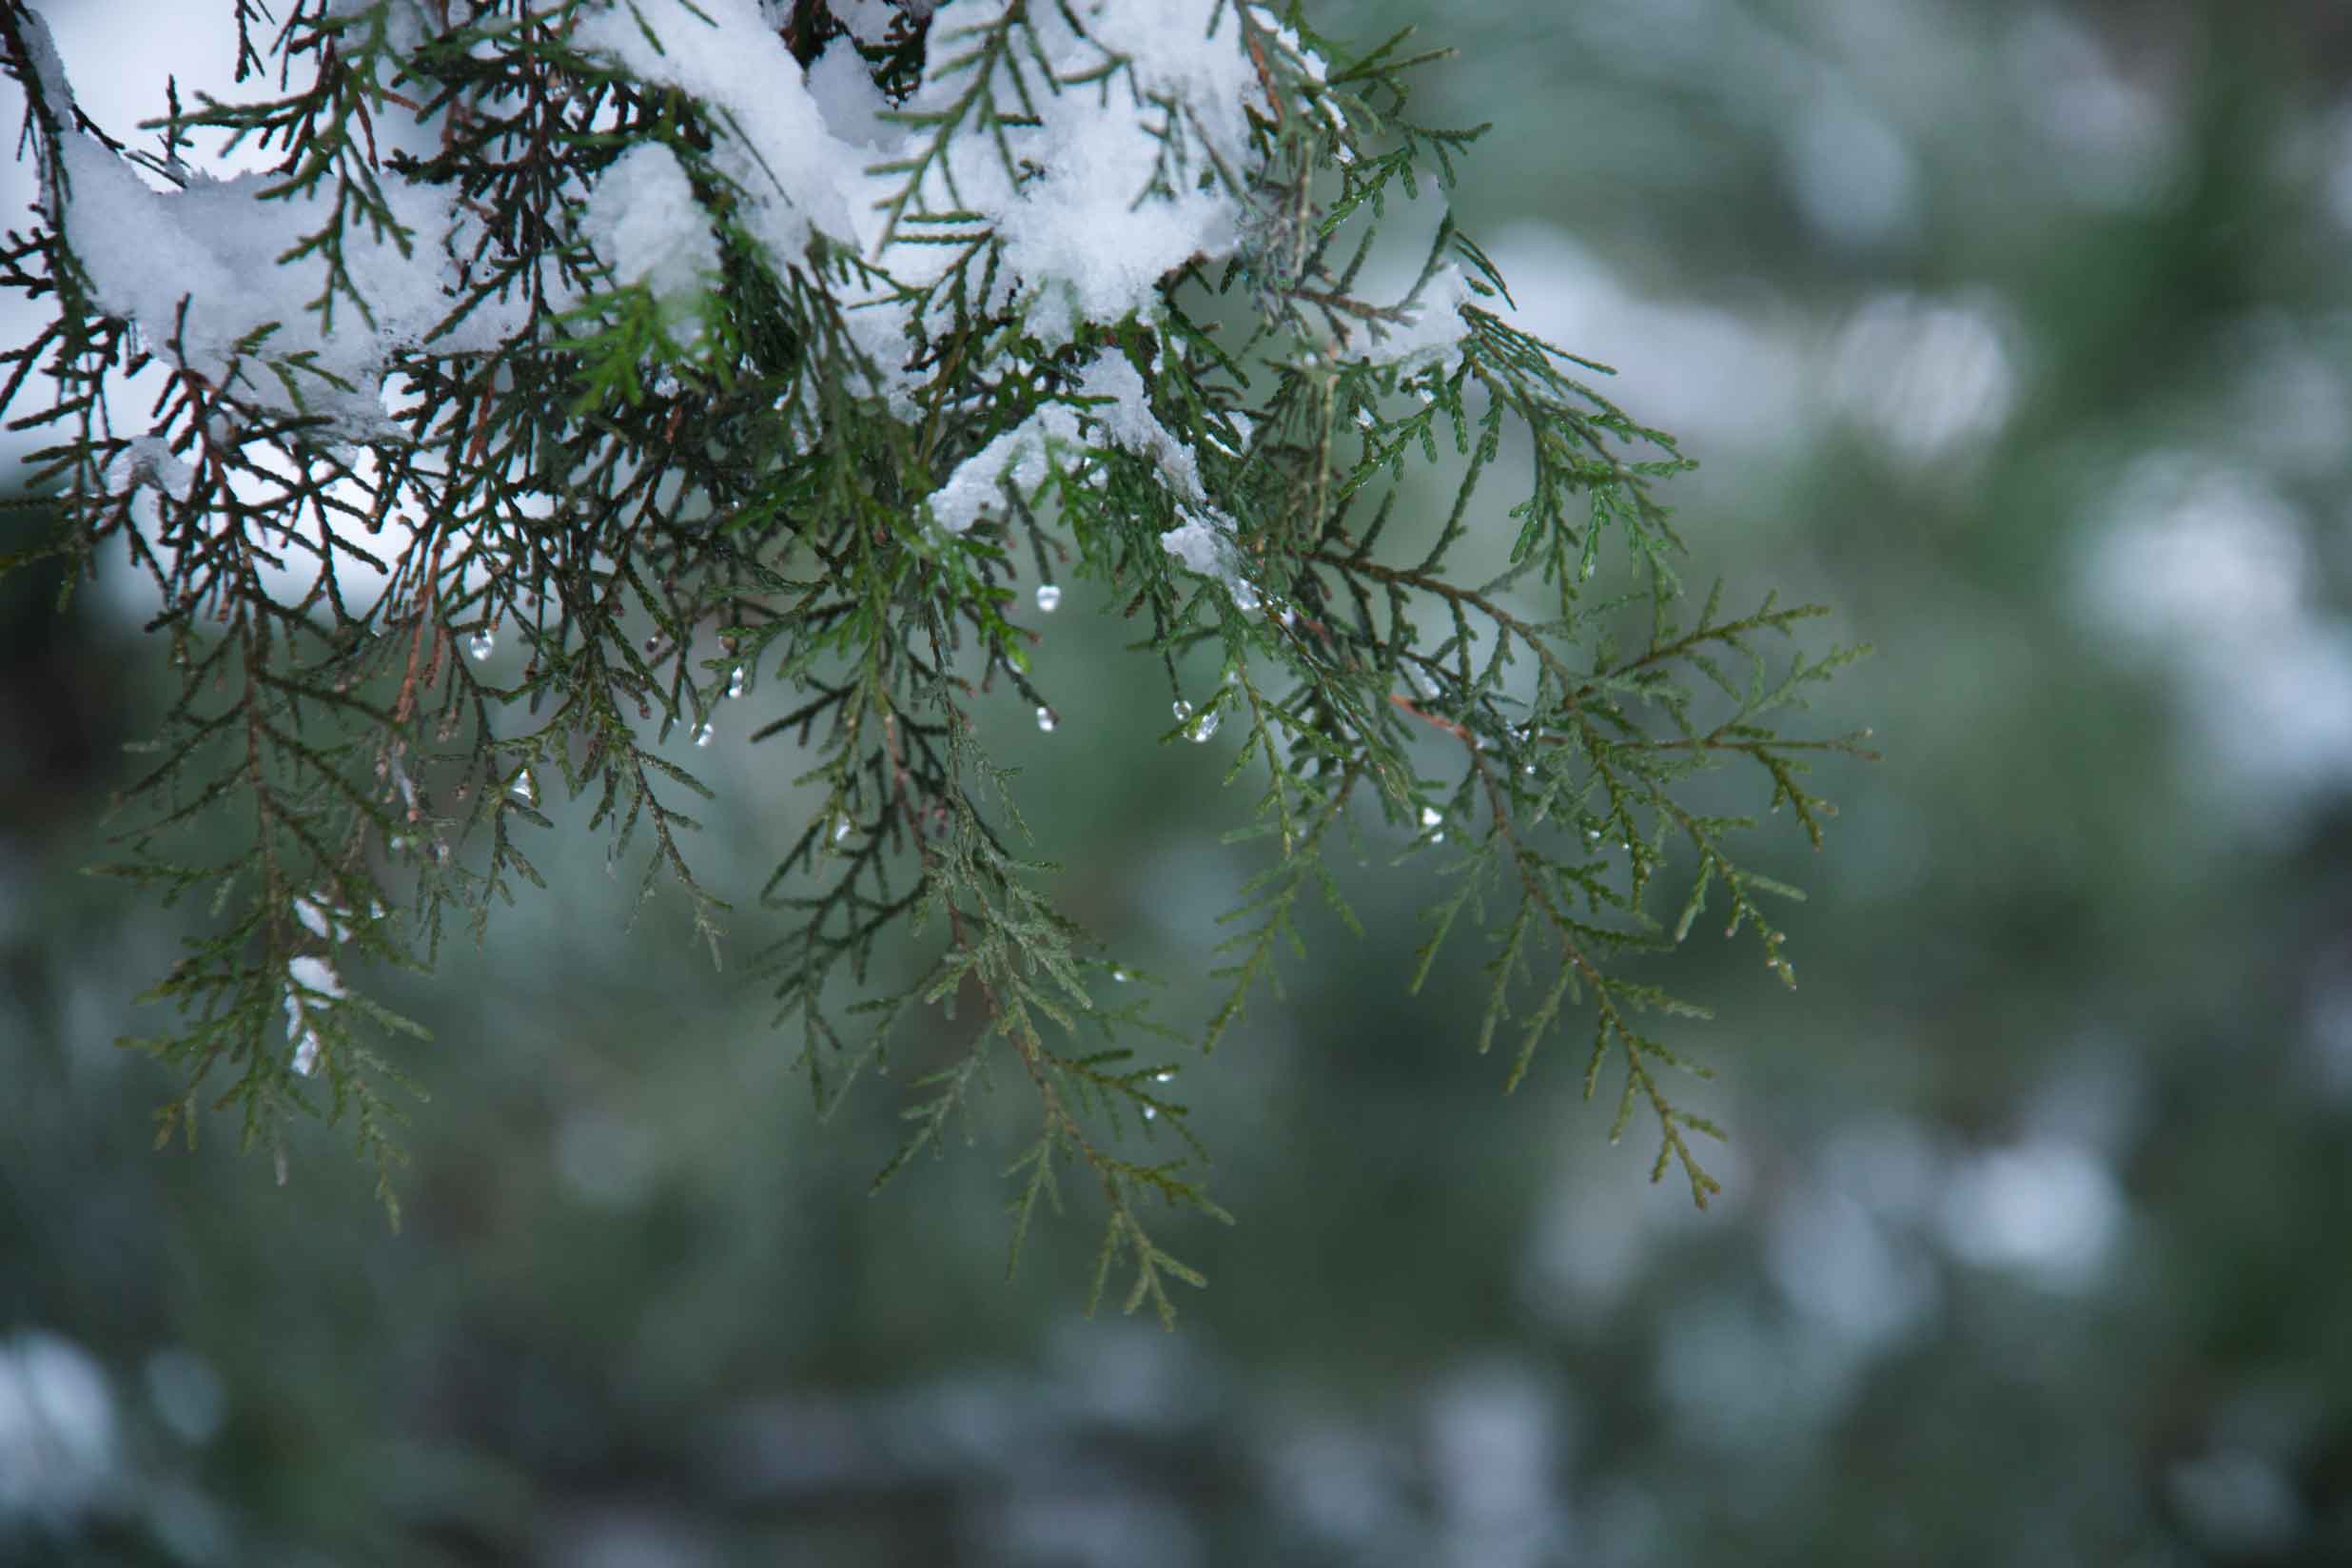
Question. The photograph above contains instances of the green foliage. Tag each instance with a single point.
(671, 515)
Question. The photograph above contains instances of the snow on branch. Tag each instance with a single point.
(529, 404)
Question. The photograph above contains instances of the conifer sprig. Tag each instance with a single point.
(607, 420)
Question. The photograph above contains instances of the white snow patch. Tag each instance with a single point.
(1927, 377)
(775, 146)
(2202, 566)
(644, 222)
(2044, 1210)
(59, 1449)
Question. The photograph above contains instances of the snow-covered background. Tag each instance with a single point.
(2019, 333)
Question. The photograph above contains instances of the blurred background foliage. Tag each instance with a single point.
(2017, 332)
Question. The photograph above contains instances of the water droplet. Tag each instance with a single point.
(1163, 1077)
(1430, 816)
(1120, 975)
(1206, 726)
(1529, 770)
(523, 790)
(841, 829)
(1046, 719)
(737, 681)
(481, 645)
(306, 1053)
(1182, 709)
(1363, 418)
(702, 737)
(1048, 597)
(1151, 1114)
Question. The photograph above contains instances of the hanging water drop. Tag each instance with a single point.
(523, 790)
(1048, 597)
(1430, 816)
(1182, 709)
(841, 829)
(1164, 1077)
(1205, 725)
(307, 1054)
(483, 644)
(1150, 1113)
(1119, 976)
(737, 681)
(703, 736)
(1046, 720)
